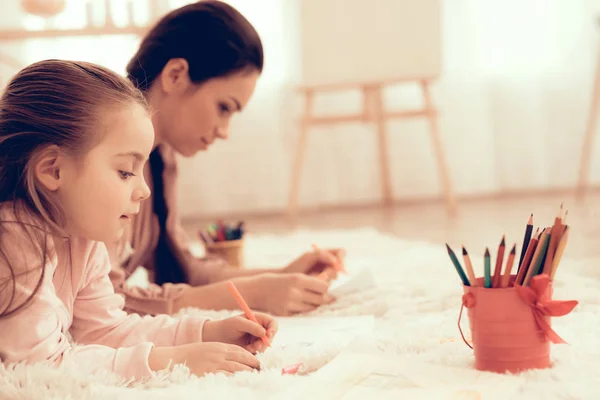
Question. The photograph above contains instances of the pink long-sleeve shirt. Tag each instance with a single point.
(76, 296)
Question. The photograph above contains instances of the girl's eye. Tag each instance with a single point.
(126, 174)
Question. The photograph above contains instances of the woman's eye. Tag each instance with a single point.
(126, 174)
(223, 108)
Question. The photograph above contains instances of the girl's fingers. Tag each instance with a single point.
(233, 366)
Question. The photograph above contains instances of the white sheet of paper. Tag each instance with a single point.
(354, 374)
(355, 282)
(314, 330)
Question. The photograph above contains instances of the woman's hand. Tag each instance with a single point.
(285, 294)
(322, 262)
(241, 331)
(204, 358)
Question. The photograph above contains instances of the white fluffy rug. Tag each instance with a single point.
(416, 306)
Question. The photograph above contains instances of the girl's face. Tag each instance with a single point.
(191, 117)
(101, 191)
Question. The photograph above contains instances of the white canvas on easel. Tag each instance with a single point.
(364, 41)
(367, 46)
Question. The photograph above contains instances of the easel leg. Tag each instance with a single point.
(380, 122)
(437, 148)
(300, 153)
(590, 130)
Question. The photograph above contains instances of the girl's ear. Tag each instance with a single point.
(47, 168)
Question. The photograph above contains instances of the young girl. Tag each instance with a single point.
(198, 67)
(74, 138)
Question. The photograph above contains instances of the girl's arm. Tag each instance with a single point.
(37, 333)
(98, 316)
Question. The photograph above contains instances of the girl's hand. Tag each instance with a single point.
(204, 358)
(241, 331)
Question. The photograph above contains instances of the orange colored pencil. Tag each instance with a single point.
(559, 252)
(509, 265)
(499, 261)
(244, 306)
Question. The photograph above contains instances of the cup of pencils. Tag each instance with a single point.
(225, 241)
(509, 313)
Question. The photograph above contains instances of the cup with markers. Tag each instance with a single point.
(225, 241)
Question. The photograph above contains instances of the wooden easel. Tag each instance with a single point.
(373, 111)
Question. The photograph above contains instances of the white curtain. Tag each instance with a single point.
(514, 98)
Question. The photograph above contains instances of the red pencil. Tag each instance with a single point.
(499, 260)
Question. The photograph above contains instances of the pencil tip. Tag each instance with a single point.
(487, 252)
(502, 243)
(514, 249)
(448, 248)
(464, 251)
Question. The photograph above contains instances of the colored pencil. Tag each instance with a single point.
(526, 239)
(559, 252)
(457, 266)
(469, 267)
(499, 262)
(555, 235)
(244, 306)
(527, 259)
(536, 261)
(508, 268)
(487, 278)
(221, 231)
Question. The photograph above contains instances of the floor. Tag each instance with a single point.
(479, 223)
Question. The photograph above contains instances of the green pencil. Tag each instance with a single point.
(459, 269)
(487, 271)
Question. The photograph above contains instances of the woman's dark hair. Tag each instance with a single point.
(214, 38)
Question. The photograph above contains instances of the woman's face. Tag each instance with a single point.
(190, 117)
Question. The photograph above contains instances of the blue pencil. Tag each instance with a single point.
(459, 269)
(487, 269)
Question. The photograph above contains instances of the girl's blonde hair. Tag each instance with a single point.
(49, 103)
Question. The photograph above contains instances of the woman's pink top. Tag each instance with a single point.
(76, 297)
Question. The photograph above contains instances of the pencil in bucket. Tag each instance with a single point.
(225, 241)
(509, 313)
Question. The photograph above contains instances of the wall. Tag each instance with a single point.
(514, 98)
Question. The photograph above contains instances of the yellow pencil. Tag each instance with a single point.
(469, 267)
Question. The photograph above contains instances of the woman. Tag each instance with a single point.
(198, 66)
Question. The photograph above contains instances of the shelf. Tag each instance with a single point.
(21, 34)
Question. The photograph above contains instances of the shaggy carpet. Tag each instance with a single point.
(415, 300)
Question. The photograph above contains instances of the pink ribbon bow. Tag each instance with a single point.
(532, 295)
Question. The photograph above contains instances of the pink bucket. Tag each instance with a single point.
(510, 327)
